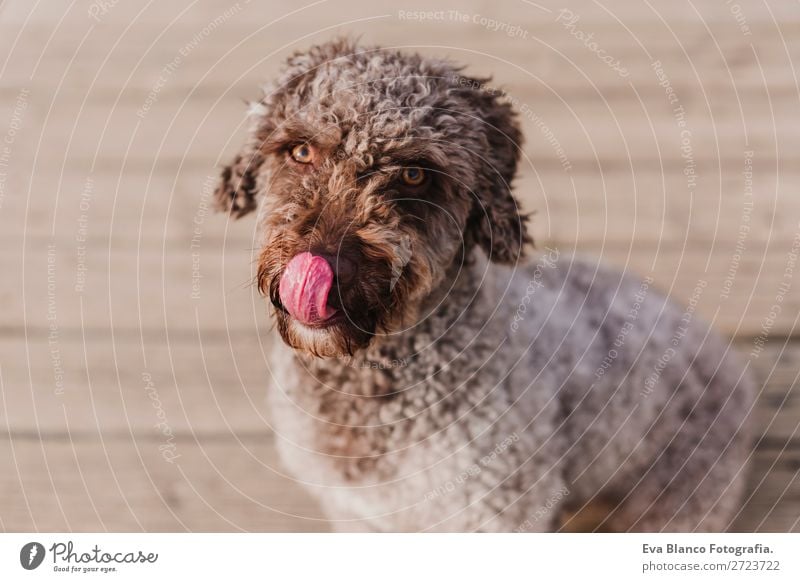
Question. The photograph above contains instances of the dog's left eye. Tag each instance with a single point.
(303, 153)
(413, 176)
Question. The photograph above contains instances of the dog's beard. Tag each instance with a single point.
(336, 339)
(360, 314)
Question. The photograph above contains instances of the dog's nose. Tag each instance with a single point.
(344, 267)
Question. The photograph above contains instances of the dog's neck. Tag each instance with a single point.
(359, 403)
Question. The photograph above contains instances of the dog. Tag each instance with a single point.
(434, 374)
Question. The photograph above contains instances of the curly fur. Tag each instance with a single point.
(468, 388)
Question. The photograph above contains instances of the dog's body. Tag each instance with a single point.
(496, 426)
(437, 379)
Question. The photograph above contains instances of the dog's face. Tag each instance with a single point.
(380, 171)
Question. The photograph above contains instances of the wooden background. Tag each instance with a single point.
(126, 304)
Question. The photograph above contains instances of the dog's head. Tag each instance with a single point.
(380, 171)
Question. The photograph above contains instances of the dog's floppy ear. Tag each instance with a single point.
(497, 224)
(238, 185)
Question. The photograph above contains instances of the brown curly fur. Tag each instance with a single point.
(366, 128)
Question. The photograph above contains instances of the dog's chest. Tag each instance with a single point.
(396, 459)
(353, 418)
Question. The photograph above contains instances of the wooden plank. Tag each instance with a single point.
(215, 384)
(115, 384)
(155, 291)
(234, 482)
(223, 486)
(206, 127)
(217, 381)
(555, 64)
(147, 26)
(651, 207)
(777, 416)
(127, 485)
(16, 12)
(616, 206)
(773, 496)
(107, 119)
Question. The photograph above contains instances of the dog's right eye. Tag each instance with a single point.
(303, 153)
(412, 176)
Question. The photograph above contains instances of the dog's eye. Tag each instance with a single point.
(413, 176)
(303, 153)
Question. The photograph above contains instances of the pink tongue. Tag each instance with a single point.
(304, 288)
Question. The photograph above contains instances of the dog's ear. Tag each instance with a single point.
(238, 184)
(497, 223)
